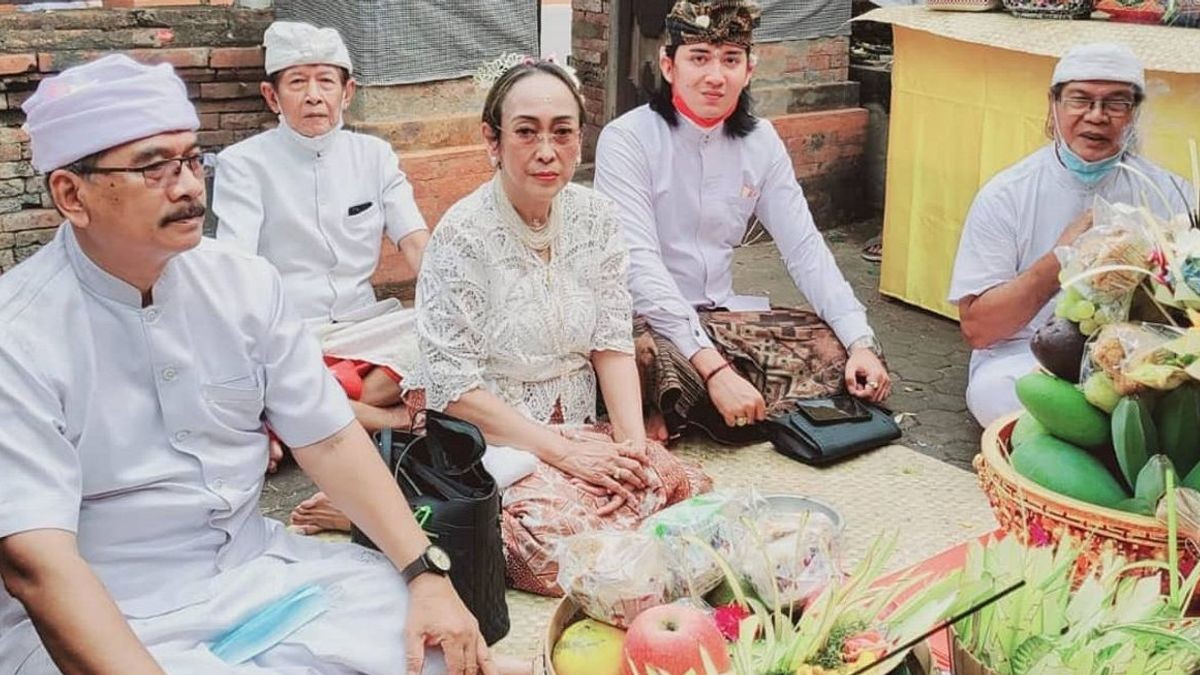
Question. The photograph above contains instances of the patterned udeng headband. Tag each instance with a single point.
(715, 21)
(492, 70)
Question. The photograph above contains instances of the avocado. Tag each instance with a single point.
(1058, 346)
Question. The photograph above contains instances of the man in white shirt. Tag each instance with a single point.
(316, 201)
(1006, 274)
(687, 172)
(138, 363)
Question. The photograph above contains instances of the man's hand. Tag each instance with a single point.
(736, 399)
(1077, 227)
(438, 618)
(866, 376)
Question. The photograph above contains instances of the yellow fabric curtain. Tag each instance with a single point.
(960, 113)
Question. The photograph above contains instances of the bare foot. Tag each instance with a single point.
(275, 455)
(318, 514)
(656, 427)
(511, 665)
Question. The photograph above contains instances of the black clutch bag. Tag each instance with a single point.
(823, 431)
(458, 505)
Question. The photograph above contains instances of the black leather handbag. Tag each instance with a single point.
(818, 442)
(456, 501)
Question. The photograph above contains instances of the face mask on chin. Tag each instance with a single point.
(313, 143)
(1089, 173)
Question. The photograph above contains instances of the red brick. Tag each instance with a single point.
(30, 219)
(214, 139)
(179, 57)
(236, 57)
(10, 152)
(13, 135)
(257, 120)
(13, 64)
(210, 121)
(232, 105)
(225, 90)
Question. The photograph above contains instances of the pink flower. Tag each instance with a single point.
(1038, 536)
(867, 642)
(728, 620)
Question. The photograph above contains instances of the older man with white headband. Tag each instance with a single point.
(316, 201)
(1006, 273)
(138, 363)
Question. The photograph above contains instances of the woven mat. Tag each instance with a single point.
(932, 504)
(1162, 48)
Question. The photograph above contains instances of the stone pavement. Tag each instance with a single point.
(926, 354)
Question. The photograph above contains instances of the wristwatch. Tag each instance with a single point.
(434, 560)
(867, 342)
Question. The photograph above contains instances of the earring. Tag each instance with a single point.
(495, 161)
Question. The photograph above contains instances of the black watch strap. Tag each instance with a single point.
(433, 560)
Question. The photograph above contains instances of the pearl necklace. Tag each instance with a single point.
(538, 236)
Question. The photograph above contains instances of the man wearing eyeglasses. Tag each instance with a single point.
(316, 201)
(1006, 273)
(137, 365)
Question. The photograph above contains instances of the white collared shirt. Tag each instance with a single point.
(685, 195)
(140, 429)
(1020, 213)
(290, 199)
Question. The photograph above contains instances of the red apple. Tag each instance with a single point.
(670, 639)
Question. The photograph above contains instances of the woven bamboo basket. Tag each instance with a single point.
(963, 662)
(1039, 516)
(568, 612)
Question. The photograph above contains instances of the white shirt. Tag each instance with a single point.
(1018, 216)
(140, 429)
(492, 314)
(684, 197)
(289, 199)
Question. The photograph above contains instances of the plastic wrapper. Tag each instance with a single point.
(1117, 238)
(1136, 357)
(792, 547)
(706, 518)
(615, 575)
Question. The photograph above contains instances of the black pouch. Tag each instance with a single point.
(458, 505)
(795, 435)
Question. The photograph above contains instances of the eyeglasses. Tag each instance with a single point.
(560, 136)
(1113, 107)
(162, 173)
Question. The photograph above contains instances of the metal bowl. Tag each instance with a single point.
(793, 504)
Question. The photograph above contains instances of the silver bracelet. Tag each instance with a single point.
(867, 342)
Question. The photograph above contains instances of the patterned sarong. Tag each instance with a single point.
(788, 354)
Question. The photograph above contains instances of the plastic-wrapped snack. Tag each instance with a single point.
(1117, 240)
(703, 518)
(615, 575)
(1135, 358)
(791, 549)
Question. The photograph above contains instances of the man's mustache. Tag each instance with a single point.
(193, 211)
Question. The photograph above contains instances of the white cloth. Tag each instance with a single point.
(279, 197)
(491, 314)
(384, 334)
(992, 391)
(102, 104)
(685, 196)
(141, 429)
(1100, 61)
(293, 43)
(1018, 216)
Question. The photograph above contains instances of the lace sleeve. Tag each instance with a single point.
(614, 308)
(452, 307)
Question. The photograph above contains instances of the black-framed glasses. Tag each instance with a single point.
(560, 136)
(164, 172)
(1113, 107)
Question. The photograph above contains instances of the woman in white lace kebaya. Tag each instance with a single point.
(523, 307)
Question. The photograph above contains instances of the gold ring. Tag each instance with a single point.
(741, 421)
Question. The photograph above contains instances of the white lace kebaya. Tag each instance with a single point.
(493, 314)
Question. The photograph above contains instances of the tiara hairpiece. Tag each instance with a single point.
(490, 71)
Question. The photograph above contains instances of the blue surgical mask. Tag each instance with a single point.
(269, 625)
(1088, 173)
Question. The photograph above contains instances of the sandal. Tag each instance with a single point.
(872, 251)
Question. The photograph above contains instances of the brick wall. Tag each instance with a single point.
(214, 50)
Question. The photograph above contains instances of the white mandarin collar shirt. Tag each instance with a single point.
(1019, 214)
(141, 429)
(685, 195)
(317, 211)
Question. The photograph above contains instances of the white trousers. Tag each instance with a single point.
(363, 631)
(991, 391)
